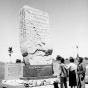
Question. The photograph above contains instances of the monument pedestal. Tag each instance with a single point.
(37, 75)
(35, 72)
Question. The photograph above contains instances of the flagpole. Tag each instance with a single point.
(73, 51)
(77, 52)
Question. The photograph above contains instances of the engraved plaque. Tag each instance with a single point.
(13, 71)
(37, 70)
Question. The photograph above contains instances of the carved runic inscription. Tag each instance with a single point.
(34, 36)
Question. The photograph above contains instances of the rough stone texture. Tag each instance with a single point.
(34, 36)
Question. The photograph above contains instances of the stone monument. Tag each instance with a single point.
(36, 49)
(35, 42)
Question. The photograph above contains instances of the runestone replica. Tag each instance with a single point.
(35, 42)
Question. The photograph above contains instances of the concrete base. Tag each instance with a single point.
(11, 86)
(37, 78)
(22, 86)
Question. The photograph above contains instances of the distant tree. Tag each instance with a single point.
(67, 59)
(58, 57)
(18, 61)
(10, 52)
(86, 58)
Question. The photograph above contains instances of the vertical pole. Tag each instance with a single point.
(73, 52)
(77, 52)
(10, 56)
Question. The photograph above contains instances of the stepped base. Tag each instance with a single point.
(37, 78)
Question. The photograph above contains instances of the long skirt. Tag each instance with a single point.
(72, 78)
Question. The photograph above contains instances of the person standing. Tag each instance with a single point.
(72, 67)
(81, 69)
(63, 74)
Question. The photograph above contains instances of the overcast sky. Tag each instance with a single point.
(68, 22)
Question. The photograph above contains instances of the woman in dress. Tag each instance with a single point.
(81, 69)
(72, 67)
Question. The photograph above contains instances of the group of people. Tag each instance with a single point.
(74, 73)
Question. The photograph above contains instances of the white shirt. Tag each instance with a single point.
(72, 66)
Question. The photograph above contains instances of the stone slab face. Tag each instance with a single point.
(35, 35)
(37, 71)
(13, 71)
(10, 71)
(2, 72)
